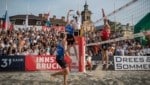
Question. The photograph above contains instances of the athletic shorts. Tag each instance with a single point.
(70, 39)
(61, 62)
(105, 46)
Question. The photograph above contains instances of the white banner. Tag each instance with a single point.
(132, 62)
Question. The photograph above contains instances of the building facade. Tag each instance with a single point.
(54, 20)
(19, 21)
(87, 24)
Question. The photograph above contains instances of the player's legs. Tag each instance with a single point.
(64, 72)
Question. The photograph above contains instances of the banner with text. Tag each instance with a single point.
(41, 62)
(132, 62)
(12, 63)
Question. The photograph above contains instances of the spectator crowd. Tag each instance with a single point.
(24, 42)
(38, 42)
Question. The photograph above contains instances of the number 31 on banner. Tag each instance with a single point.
(6, 63)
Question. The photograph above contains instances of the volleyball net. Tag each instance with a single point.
(125, 18)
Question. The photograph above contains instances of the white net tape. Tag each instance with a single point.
(141, 34)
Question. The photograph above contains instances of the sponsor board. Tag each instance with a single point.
(41, 62)
(12, 63)
(132, 62)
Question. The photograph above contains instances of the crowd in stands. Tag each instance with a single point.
(92, 37)
(124, 47)
(23, 42)
(130, 47)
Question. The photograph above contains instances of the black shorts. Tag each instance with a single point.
(105, 46)
(61, 62)
(70, 39)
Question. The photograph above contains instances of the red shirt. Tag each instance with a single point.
(105, 34)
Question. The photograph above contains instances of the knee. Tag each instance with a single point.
(66, 71)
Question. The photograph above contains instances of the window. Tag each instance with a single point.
(23, 22)
(88, 17)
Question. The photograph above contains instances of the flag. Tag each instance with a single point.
(11, 27)
(6, 21)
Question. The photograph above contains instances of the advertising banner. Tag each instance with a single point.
(41, 62)
(132, 62)
(12, 63)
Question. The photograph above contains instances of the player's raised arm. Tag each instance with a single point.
(68, 14)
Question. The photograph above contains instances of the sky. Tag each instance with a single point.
(58, 7)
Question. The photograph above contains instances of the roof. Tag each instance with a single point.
(24, 17)
(143, 24)
(58, 21)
